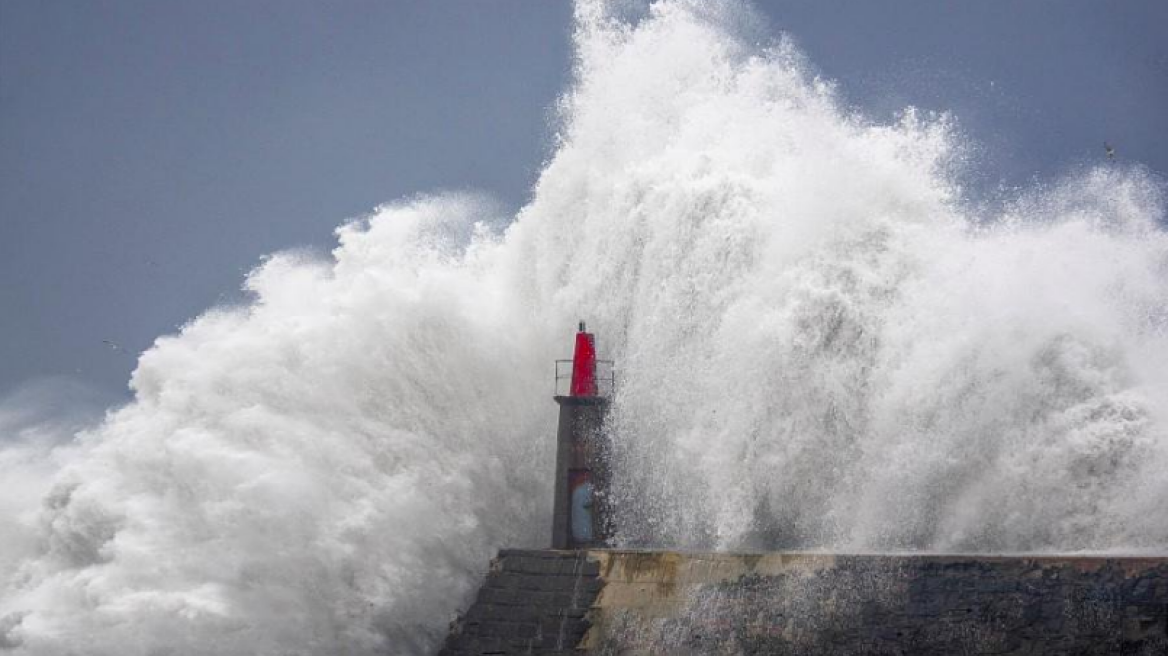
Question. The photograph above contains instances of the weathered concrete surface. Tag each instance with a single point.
(657, 602)
(532, 602)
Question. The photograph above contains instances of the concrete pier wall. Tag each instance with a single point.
(660, 602)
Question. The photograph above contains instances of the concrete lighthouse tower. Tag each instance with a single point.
(579, 517)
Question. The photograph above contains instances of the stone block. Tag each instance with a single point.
(555, 602)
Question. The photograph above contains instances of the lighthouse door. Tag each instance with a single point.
(581, 511)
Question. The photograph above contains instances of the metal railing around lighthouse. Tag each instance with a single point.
(605, 377)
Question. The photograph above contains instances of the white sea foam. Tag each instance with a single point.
(819, 346)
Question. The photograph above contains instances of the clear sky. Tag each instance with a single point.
(152, 151)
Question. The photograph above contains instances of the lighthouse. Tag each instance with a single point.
(579, 516)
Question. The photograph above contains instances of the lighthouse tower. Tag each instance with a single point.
(579, 517)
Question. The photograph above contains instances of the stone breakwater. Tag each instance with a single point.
(660, 602)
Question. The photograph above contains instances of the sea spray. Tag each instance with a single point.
(819, 346)
(327, 469)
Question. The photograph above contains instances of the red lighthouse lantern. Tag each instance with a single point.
(584, 364)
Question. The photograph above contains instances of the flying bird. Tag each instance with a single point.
(1110, 150)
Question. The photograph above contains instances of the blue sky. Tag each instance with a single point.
(151, 152)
